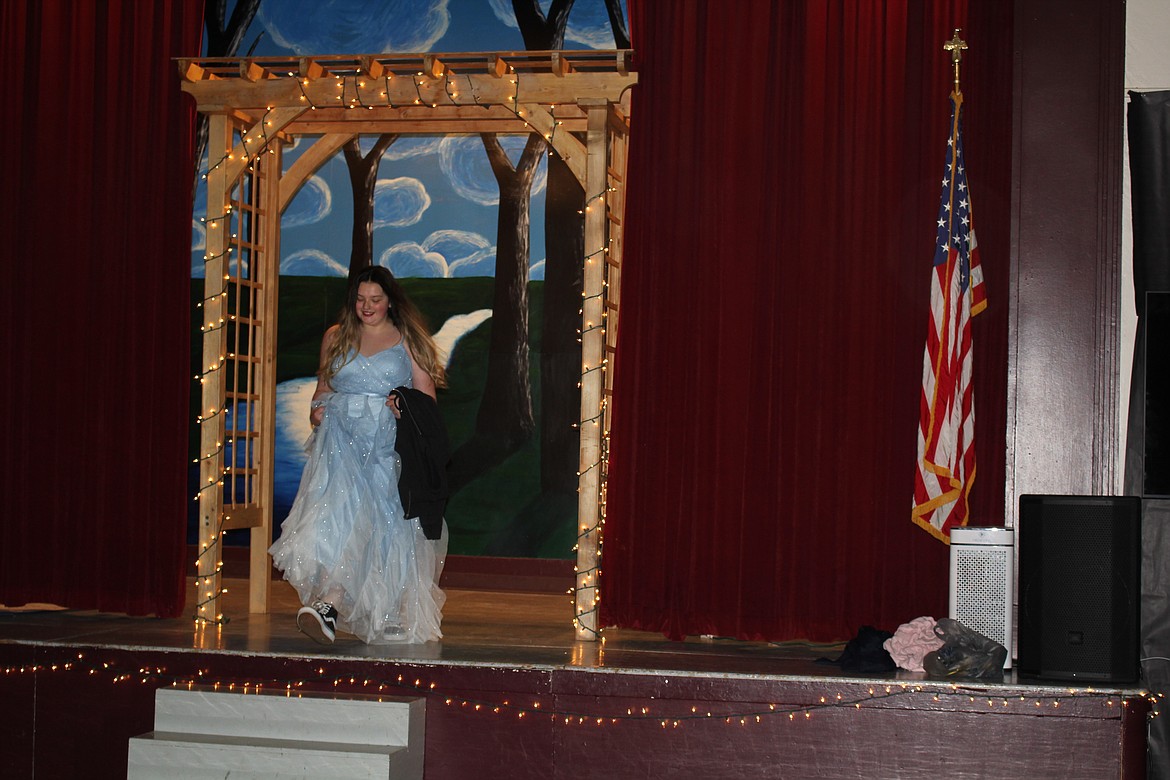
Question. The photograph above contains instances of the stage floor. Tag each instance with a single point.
(495, 628)
(483, 628)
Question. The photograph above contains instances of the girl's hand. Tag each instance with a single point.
(392, 402)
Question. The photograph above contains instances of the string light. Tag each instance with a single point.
(474, 96)
(586, 593)
(447, 87)
(208, 565)
(302, 83)
(672, 713)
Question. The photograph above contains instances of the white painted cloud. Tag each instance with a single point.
(465, 162)
(311, 262)
(198, 249)
(482, 263)
(413, 146)
(467, 253)
(199, 205)
(198, 237)
(407, 258)
(399, 202)
(312, 203)
(444, 253)
(455, 244)
(334, 26)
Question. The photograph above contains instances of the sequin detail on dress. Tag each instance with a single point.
(345, 540)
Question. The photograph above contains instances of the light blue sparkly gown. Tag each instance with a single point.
(345, 540)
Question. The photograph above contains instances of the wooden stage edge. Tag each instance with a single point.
(509, 693)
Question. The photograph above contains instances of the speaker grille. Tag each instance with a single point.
(1085, 623)
(1079, 586)
(981, 591)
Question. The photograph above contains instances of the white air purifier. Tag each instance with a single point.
(982, 562)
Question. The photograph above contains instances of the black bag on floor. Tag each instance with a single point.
(965, 653)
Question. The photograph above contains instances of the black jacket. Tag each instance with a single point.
(425, 450)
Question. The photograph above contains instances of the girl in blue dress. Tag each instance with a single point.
(358, 564)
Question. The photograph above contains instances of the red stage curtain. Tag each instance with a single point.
(97, 144)
(784, 179)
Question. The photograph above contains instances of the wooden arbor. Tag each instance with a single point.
(577, 100)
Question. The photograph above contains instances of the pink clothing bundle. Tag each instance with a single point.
(911, 642)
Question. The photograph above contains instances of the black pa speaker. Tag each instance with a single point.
(1080, 587)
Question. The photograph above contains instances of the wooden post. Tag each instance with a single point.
(211, 412)
(267, 274)
(592, 376)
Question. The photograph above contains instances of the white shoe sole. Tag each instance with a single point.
(313, 625)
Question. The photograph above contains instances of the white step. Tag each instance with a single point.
(204, 757)
(372, 720)
(203, 733)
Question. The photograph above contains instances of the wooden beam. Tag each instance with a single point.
(544, 88)
(560, 64)
(414, 113)
(241, 517)
(250, 71)
(189, 71)
(443, 120)
(619, 121)
(568, 148)
(372, 68)
(255, 138)
(494, 64)
(623, 61)
(433, 66)
(310, 68)
(307, 164)
(425, 127)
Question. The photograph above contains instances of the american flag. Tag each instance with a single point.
(946, 428)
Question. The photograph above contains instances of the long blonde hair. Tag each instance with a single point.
(403, 313)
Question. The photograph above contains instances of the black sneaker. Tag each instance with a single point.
(318, 621)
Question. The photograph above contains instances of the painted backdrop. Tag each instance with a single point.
(436, 222)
